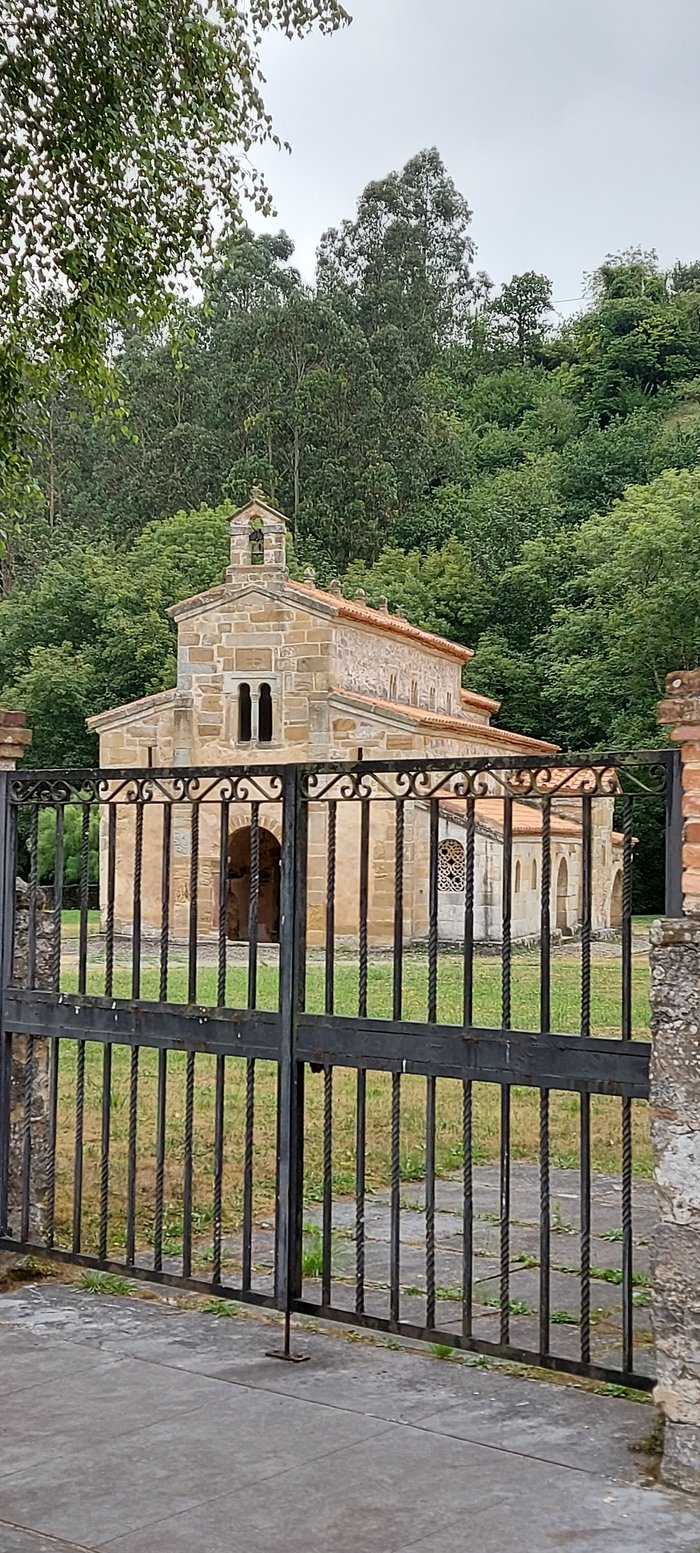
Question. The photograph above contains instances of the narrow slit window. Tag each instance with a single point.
(533, 878)
(414, 692)
(265, 715)
(431, 698)
(257, 545)
(517, 877)
(244, 714)
(392, 688)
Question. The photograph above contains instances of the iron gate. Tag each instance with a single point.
(274, 1082)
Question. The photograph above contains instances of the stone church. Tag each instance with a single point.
(272, 670)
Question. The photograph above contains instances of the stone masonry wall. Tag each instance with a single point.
(30, 1058)
(675, 1113)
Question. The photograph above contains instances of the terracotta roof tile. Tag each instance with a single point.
(527, 821)
(381, 620)
(452, 724)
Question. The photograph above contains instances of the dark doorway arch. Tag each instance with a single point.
(238, 903)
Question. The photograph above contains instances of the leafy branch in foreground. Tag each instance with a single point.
(126, 129)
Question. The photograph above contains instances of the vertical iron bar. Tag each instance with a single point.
(545, 1024)
(673, 906)
(467, 1210)
(468, 995)
(80, 1049)
(505, 1088)
(430, 1084)
(84, 898)
(190, 1064)
(330, 906)
(33, 892)
(506, 948)
(193, 914)
(218, 1169)
(165, 901)
(134, 1066)
(361, 1119)
(399, 831)
(187, 1167)
(397, 1008)
(107, 1055)
(131, 1158)
(505, 1216)
(8, 871)
(222, 946)
(253, 904)
(57, 900)
(55, 1046)
(104, 1149)
(161, 1113)
(545, 916)
(111, 883)
(28, 1096)
(585, 1229)
(25, 1191)
(627, 1244)
(136, 906)
(247, 1259)
(290, 1091)
(364, 904)
(586, 919)
(220, 1062)
(433, 911)
(327, 1229)
(395, 1227)
(361, 1102)
(626, 923)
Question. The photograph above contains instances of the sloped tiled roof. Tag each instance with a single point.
(380, 620)
(445, 723)
(527, 821)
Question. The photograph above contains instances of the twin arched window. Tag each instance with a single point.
(254, 702)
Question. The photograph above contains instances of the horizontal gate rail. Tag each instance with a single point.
(591, 1065)
(173, 1027)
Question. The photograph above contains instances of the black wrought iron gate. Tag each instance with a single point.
(271, 1069)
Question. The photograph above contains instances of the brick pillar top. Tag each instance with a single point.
(680, 712)
(15, 738)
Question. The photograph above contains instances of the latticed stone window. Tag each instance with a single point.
(451, 875)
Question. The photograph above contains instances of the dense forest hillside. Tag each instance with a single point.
(526, 484)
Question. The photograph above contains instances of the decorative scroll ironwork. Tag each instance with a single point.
(196, 785)
(575, 777)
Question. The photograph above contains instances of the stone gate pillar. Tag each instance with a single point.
(15, 738)
(675, 1115)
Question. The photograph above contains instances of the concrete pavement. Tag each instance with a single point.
(139, 1427)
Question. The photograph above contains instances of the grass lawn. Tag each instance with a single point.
(565, 1108)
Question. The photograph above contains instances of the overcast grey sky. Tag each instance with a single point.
(572, 126)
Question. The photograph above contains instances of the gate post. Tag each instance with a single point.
(15, 737)
(290, 1091)
(675, 1100)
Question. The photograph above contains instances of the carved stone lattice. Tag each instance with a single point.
(451, 865)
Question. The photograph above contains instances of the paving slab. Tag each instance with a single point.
(14, 1540)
